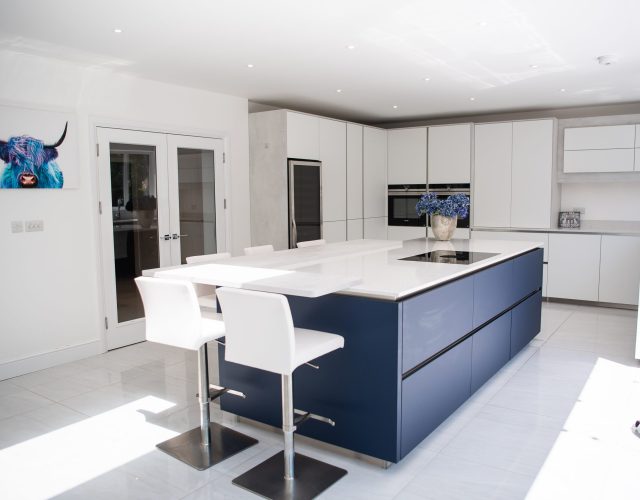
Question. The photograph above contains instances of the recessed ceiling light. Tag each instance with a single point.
(117, 30)
(472, 98)
(351, 47)
(249, 65)
(339, 91)
(483, 23)
(563, 90)
(533, 66)
(427, 79)
(395, 106)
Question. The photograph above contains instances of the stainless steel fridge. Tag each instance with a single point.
(305, 201)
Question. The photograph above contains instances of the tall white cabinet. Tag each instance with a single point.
(513, 183)
(355, 224)
(333, 155)
(407, 155)
(374, 182)
(449, 154)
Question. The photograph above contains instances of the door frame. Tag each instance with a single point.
(96, 122)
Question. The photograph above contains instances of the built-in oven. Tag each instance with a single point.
(402, 200)
(445, 190)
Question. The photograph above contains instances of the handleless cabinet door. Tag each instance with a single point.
(374, 172)
(449, 154)
(354, 172)
(574, 266)
(334, 231)
(407, 156)
(355, 229)
(333, 155)
(492, 175)
(531, 170)
(302, 136)
(620, 269)
(375, 228)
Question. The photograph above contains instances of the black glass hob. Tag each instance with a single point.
(450, 257)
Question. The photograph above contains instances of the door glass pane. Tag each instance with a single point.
(135, 222)
(197, 202)
(307, 202)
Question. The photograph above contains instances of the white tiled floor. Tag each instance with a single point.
(553, 424)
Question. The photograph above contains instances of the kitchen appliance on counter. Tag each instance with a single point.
(401, 202)
(445, 190)
(305, 201)
(450, 257)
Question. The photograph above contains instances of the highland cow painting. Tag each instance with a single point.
(37, 149)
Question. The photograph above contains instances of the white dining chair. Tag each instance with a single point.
(311, 243)
(173, 317)
(258, 250)
(207, 293)
(267, 340)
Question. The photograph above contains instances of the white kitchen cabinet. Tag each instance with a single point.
(620, 269)
(355, 229)
(374, 173)
(405, 233)
(531, 173)
(333, 155)
(574, 266)
(449, 154)
(334, 231)
(354, 172)
(407, 156)
(375, 228)
(303, 136)
(492, 175)
(603, 137)
(542, 238)
(599, 160)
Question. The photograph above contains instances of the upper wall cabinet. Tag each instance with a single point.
(374, 173)
(449, 154)
(303, 136)
(407, 156)
(354, 172)
(599, 149)
(333, 155)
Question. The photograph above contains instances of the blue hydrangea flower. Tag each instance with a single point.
(454, 205)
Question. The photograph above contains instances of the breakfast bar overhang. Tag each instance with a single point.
(423, 330)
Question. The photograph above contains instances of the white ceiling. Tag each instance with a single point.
(483, 49)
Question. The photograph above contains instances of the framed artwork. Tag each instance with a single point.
(569, 220)
(38, 149)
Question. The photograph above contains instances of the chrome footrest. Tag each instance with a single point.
(302, 416)
(215, 391)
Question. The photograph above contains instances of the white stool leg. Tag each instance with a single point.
(287, 426)
(203, 395)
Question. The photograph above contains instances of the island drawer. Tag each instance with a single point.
(490, 350)
(492, 292)
(525, 322)
(433, 393)
(527, 274)
(434, 320)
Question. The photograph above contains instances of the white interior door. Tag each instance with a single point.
(197, 196)
(162, 199)
(134, 201)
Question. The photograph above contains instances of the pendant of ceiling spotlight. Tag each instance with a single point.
(607, 60)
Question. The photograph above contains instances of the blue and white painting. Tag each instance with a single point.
(36, 149)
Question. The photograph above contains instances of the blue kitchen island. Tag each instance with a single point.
(420, 339)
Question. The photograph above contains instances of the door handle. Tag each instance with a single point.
(165, 237)
(176, 236)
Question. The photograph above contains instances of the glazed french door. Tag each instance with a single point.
(162, 200)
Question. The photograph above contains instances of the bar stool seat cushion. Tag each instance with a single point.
(311, 344)
(212, 326)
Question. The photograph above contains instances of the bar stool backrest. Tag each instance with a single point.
(258, 250)
(210, 257)
(311, 243)
(259, 329)
(172, 312)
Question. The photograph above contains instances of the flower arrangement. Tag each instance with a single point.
(456, 205)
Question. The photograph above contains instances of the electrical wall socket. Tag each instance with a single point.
(34, 225)
(17, 226)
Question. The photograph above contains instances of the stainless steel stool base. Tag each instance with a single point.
(188, 448)
(311, 478)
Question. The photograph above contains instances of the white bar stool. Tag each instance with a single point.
(207, 293)
(260, 334)
(258, 250)
(311, 243)
(173, 317)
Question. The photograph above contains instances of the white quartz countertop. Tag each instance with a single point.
(620, 227)
(368, 268)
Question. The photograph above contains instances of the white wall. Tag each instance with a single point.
(51, 307)
(604, 200)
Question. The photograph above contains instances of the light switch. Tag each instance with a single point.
(17, 226)
(34, 225)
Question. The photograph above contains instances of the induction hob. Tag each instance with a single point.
(450, 257)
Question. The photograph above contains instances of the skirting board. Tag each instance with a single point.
(37, 362)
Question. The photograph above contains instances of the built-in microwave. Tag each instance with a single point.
(401, 202)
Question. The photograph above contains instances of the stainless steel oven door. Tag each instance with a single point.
(402, 207)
